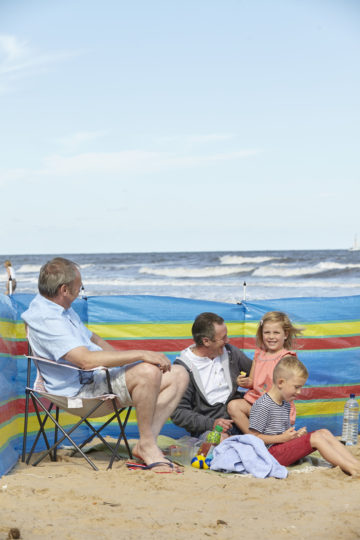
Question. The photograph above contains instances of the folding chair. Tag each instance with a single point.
(85, 408)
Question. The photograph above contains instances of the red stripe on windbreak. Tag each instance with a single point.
(313, 344)
(329, 392)
(17, 406)
(13, 347)
(9, 410)
(328, 343)
(161, 345)
(22, 347)
(7, 346)
(175, 345)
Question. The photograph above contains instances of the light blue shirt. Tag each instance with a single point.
(52, 332)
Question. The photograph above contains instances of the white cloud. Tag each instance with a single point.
(196, 138)
(132, 161)
(12, 51)
(103, 164)
(9, 176)
(73, 140)
(328, 195)
(211, 137)
(18, 58)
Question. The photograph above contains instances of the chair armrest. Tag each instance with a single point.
(54, 363)
(48, 361)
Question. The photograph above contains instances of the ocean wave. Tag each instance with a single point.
(283, 270)
(306, 284)
(185, 272)
(163, 283)
(28, 269)
(238, 259)
(35, 268)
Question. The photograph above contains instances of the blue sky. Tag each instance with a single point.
(179, 125)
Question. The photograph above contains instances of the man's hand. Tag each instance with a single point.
(157, 359)
(225, 423)
(300, 432)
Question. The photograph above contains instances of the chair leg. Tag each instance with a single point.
(41, 426)
(66, 435)
(56, 432)
(26, 417)
(122, 435)
(27, 400)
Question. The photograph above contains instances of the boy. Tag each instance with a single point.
(270, 421)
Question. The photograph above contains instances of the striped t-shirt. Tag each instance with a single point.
(269, 418)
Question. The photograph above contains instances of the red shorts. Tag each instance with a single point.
(288, 452)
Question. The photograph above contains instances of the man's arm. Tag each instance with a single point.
(188, 416)
(240, 361)
(110, 357)
(101, 343)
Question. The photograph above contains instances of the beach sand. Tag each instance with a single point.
(68, 500)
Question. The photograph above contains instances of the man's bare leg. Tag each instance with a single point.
(239, 412)
(155, 395)
(173, 385)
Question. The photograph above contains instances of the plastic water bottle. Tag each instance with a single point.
(350, 427)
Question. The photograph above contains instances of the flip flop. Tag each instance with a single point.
(132, 465)
(143, 467)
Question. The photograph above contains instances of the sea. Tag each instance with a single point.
(223, 276)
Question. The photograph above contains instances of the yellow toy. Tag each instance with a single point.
(199, 462)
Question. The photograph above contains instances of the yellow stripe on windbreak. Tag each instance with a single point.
(11, 429)
(314, 408)
(67, 420)
(235, 329)
(142, 330)
(155, 330)
(332, 329)
(329, 329)
(12, 330)
(8, 329)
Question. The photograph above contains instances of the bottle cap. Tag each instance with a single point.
(352, 396)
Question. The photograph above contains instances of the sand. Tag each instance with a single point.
(68, 500)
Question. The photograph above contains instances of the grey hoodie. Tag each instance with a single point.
(194, 412)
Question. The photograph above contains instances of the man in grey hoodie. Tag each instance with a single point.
(213, 365)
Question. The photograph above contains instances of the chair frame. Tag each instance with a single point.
(38, 392)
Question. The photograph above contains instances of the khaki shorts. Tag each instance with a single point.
(99, 385)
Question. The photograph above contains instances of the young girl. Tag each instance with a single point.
(274, 338)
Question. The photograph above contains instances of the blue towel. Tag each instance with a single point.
(246, 454)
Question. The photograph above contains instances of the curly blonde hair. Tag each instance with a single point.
(278, 317)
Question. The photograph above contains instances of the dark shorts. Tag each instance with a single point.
(291, 451)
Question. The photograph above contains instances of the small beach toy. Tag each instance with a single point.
(199, 462)
(242, 373)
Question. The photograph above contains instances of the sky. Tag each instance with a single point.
(179, 125)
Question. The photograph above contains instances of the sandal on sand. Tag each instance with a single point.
(135, 465)
(143, 467)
